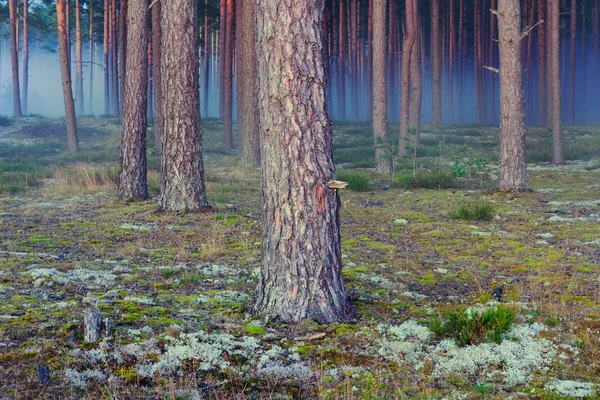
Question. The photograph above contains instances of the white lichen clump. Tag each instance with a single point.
(85, 277)
(280, 365)
(571, 388)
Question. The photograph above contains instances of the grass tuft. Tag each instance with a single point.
(474, 212)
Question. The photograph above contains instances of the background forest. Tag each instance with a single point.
(154, 155)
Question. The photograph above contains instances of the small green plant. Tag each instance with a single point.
(464, 164)
(5, 121)
(358, 182)
(425, 180)
(479, 211)
(471, 327)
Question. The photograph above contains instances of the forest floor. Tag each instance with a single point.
(506, 305)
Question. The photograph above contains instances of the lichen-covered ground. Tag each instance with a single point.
(176, 287)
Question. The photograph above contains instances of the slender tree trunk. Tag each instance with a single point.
(451, 61)
(68, 13)
(436, 64)
(206, 58)
(150, 89)
(409, 41)
(542, 93)
(223, 34)
(14, 51)
(73, 144)
(380, 107)
(584, 61)
(123, 26)
(477, 64)
(114, 59)
(228, 79)
(460, 56)
(157, 127)
(106, 53)
(416, 88)
(549, 73)
(182, 177)
(91, 34)
(248, 123)
(342, 71)
(370, 62)
(302, 264)
(513, 168)
(554, 66)
(133, 175)
(78, 60)
(25, 55)
(353, 58)
(572, 64)
(492, 61)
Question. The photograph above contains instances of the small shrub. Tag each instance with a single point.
(474, 212)
(425, 180)
(5, 121)
(358, 182)
(471, 327)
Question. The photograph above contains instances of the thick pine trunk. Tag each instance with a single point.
(380, 106)
(302, 264)
(182, 178)
(436, 64)
(72, 142)
(14, 52)
(416, 87)
(554, 9)
(133, 175)
(409, 41)
(25, 54)
(248, 124)
(105, 60)
(513, 168)
(228, 78)
(78, 60)
(157, 126)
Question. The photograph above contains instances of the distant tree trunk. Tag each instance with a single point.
(542, 92)
(157, 127)
(25, 54)
(133, 175)
(342, 71)
(123, 25)
(206, 59)
(549, 74)
(554, 66)
(228, 78)
(248, 123)
(370, 76)
(78, 60)
(584, 61)
(572, 62)
(106, 53)
(354, 58)
(14, 51)
(302, 264)
(91, 34)
(221, 49)
(182, 177)
(380, 107)
(150, 89)
(114, 59)
(73, 144)
(409, 41)
(492, 60)
(416, 88)
(513, 168)
(460, 56)
(451, 57)
(477, 64)
(436, 64)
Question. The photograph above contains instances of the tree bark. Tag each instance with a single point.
(380, 106)
(221, 52)
(354, 58)
(157, 59)
(558, 157)
(123, 26)
(451, 57)
(14, 51)
(78, 60)
(478, 63)
(370, 76)
(25, 55)
(228, 78)
(436, 63)
(342, 70)
(302, 264)
(133, 175)
(513, 168)
(114, 59)
(542, 92)
(248, 124)
(572, 63)
(72, 141)
(91, 34)
(182, 178)
(416, 87)
(206, 59)
(460, 56)
(106, 53)
(409, 41)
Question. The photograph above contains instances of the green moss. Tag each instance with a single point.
(254, 330)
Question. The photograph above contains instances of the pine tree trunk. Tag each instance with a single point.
(342, 72)
(558, 157)
(133, 175)
(182, 177)
(302, 264)
(584, 61)
(248, 124)
(542, 92)
(228, 78)
(114, 59)
(157, 126)
(72, 142)
(414, 116)
(380, 107)
(460, 57)
(572, 64)
(436, 64)
(513, 168)
(25, 55)
(105, 61)
(123, 11)
(150, 89)
(221, 49)
(14, 51)
(206, 59)
(91, 34)
(370, 76)
(477, 64)
(451, 56)
(354, 58)
(78, 60)
(549, 74)
(409, 41)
